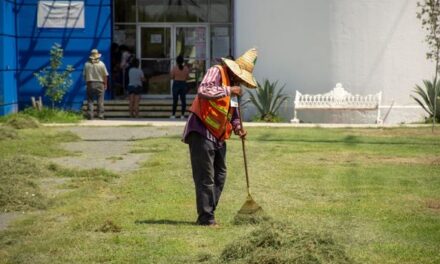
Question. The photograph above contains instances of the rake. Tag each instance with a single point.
(250, 207)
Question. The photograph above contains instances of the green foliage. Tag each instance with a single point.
(52, 78)
(429, 14)
(47, 115)
(426, 98)
(267, 99)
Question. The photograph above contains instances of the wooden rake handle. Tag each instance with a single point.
(243, 146)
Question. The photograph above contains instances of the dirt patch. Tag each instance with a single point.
(108, 227)
(366, 159)
(433, 204)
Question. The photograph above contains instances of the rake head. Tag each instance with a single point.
(250, 207)
(250, 213)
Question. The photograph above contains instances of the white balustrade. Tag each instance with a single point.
(339, 99)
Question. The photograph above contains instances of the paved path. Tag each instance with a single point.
(181, 123)
(109, 147)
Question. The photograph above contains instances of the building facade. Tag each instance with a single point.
(368, 45)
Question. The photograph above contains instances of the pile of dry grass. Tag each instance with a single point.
(275, 242)
(258, 217)
(18, 187)
(22, 122)
(7, 132)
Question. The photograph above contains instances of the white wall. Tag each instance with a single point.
(368, 45)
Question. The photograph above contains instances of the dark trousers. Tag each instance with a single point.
(95, 90)
(179, 90)
(209, 173)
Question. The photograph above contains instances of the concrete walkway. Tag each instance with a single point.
(180, 123)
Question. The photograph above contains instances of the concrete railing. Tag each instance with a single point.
(337, 99)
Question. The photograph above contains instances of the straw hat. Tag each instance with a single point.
(94, 54)
(243, 67)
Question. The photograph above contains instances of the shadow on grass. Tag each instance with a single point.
(163, 222)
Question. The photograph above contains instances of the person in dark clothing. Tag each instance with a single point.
(179, 75)
(135, 79)
(214, 116)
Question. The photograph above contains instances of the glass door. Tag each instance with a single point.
(192, 45)
(159, 46)
(155, 54)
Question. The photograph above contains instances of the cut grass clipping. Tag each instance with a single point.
(276, 242)
(18, 186)
(96, 174)
(7, 132)
(256, 217)
(19, 121)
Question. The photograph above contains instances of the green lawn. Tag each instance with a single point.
(376, 191)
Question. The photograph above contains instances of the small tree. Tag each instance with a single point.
(429, 14)
(55, 81)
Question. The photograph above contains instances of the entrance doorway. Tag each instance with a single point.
(159, 45)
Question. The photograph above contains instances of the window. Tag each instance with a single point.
(220, 11)
(125, 11)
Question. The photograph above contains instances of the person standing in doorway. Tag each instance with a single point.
(95, 74)
(214, 116)
(135, 79)
(179, 75)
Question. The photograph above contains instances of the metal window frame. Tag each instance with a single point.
(173, 26)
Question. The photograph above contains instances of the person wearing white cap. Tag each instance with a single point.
(95, 74)
(213, 118)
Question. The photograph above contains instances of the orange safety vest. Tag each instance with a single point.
(215, 114)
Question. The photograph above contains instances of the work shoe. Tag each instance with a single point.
(214, 225)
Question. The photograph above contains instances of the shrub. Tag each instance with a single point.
(426, 98)
(47, 115)
(54, 81)
(429, 14)
(268, 100)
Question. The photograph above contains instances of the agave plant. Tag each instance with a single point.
(267, 99)
(426, 98)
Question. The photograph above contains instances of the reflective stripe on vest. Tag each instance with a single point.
(215, 113)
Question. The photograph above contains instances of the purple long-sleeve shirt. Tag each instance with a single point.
(210, 88)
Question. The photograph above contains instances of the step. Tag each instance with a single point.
(149, 108)
(143, 102)
(141, 107)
